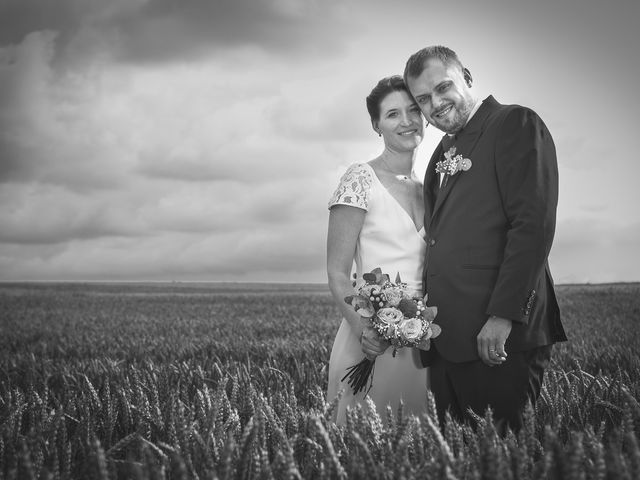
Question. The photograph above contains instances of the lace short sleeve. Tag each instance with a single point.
(353, 188)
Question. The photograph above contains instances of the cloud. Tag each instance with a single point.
(21, 17)
(23, 81)
(46, 214)
(95, 125)
(160, 31)
(180, 30)
(149, 139)
(257, 252)
(596, 251)
(320, 109)
(54, 127)
(100, 153)
(38, 214)
(585, 151)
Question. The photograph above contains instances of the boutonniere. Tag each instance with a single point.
(453, 163)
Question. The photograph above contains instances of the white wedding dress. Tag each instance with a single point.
(388, 240)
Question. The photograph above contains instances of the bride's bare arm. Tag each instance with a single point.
(345, 223)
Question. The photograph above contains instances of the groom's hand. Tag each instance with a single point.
(491, 340)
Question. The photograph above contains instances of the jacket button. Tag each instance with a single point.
(432, 242)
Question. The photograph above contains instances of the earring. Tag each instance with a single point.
(379, 133)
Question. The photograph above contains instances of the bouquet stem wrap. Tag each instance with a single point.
(360, 375)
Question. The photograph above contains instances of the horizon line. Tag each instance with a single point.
(4, 282)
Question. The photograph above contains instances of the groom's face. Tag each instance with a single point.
(443, 95)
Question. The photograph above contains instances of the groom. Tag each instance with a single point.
(491, 191)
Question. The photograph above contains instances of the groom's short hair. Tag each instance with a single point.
(416, 63)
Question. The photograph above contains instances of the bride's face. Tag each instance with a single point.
(400, 121)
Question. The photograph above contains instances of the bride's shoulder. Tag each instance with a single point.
(354, 186)
(359, 169)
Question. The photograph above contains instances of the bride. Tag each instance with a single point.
(377, 219)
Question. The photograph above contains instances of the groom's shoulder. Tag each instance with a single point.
(501, 109)
(515, 109)
(496, 112)
(515, 114)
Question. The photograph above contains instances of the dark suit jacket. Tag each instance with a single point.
(489, 232)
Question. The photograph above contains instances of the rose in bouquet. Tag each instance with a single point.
(397, 314)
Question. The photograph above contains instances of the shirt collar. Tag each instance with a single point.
(473, 112)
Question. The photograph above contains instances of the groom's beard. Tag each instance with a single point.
(462, 112)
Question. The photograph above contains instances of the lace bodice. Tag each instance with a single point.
(388, 238)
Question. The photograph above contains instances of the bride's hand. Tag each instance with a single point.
(372, 344)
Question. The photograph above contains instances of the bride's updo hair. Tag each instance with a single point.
(384, 87)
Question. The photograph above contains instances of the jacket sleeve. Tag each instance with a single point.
(527, 173)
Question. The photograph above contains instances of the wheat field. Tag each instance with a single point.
(182, 381)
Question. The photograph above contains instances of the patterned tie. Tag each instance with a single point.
(447, 143)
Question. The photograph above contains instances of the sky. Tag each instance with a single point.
(200, 140)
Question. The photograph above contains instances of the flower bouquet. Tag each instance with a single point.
(399, 315)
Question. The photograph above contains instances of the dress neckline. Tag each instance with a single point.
(420, 231)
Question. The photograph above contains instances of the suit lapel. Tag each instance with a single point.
(431, 184)
(465, 142)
